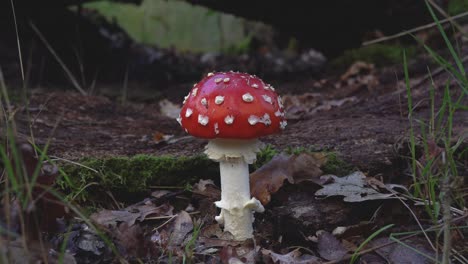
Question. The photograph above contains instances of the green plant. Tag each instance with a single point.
(190, 246)
(264, 156)
(378, 54)
(457, 6)
(376, 233)
(436, 171)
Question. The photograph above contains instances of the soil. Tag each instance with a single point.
(361, 115)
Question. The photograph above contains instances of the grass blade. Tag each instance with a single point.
(376, 233)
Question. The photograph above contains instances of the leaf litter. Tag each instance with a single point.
(269, 178)
(129, 215)
(149, 230)
(355, 187)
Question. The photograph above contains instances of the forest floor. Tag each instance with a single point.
(360, 114)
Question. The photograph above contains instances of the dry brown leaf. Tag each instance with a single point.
(359, 67)
(329, 247)
(293, 257)
(181, 226)
(295, 168)
(131, 240)
(414, 250)
(129, 215)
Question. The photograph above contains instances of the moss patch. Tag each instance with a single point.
(457, 6)
(130, 177)
(378, 54)
(134, 175)
(337, 166)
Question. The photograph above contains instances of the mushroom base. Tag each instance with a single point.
(237, 207)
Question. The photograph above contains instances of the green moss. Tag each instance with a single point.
(336, 166)
(457, 6)
(264, 156)
(135, 175)
(378, 54)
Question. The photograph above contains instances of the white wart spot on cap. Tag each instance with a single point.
(194, 92)
(189, 112)
(226, 80)
(279, 113)
(253, 120)
(265, 119)
(219, 99)
(218, 80)
(267, 99)
(203, 120)
(248, 98)
(255, 85)
(280, 102)
(210, 74)
(204, 101)
(179, 120)
(185, 98)
(229, 119)
(216, 128)
(283, 124)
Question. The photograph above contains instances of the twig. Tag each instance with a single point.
(161, 199)
(416, 29)
(447, 216)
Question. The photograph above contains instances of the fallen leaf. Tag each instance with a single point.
(131, 241)
(44, 208)
(329, 247)
(129, 215)
(330, 104)
(297, 106)
(269, 178)
(159, 137)
(207, 188)
(293, 257)
(353, 187)
(181, 226)
(359, 67)
(411, 250)
(14, 252)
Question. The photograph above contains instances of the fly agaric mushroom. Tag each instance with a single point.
(233, 109)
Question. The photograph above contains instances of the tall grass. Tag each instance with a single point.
(435, 173)
(20, 186)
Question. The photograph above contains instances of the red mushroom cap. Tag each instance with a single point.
(232, 105)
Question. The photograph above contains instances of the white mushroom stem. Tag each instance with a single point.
(234, 157)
